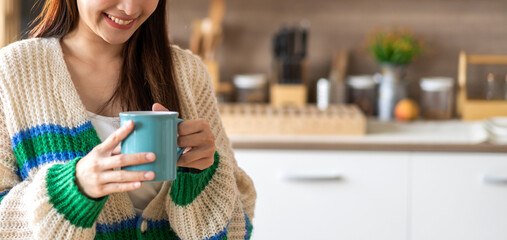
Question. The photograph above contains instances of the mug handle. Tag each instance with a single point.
(179, 151)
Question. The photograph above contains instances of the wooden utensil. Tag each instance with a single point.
(211, 39)
(207, 38)
(196, 37)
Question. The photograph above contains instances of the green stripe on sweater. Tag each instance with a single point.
(249, 228)
(188, 186)
(123, 234)
(164, 232)
(53, 142)
(65, 196)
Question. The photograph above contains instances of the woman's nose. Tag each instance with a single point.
(130, 7)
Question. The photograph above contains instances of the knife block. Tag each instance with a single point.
(288, 95)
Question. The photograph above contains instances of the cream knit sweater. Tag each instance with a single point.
(45, 130)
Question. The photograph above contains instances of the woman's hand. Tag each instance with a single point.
(95, 174)
(197, 135)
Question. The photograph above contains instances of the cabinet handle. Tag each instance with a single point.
(495, 178)
(310, 176)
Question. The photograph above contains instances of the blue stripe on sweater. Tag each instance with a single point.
(118, 226)
(163, 223)
(2, 194)
(157, 224)
(133, 223)
(47, 158)
(48, 128)
(247, 224)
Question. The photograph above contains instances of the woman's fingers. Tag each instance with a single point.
(200, 164)
(119, 187)
(123, 176)
(158, 107)
(201, 155)
(196, 134)
(192, 126)
(192, 140)
(123, 160)
(197, 139)
(116, 137)
(196, 153)
(117, 150)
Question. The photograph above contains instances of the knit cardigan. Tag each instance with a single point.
(45, 130)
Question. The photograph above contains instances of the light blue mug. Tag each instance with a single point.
(153, 132)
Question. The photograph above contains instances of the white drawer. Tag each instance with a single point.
(328, 194)
(459, 196)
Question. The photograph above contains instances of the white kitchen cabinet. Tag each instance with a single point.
(451, 199)
(328, 194)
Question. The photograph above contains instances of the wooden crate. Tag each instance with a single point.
(470, 109)
(263, 119)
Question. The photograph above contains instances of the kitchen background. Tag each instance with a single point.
(337, 174)
(447, 27)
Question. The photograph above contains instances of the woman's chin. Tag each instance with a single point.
(115, 40)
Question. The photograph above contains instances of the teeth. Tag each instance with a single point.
(119, 21)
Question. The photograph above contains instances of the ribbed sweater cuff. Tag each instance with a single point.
(68, 200)
(188, 186)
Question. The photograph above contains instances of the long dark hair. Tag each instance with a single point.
(147, 73)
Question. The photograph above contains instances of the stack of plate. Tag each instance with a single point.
(497, 130)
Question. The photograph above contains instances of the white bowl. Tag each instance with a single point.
(496, 126)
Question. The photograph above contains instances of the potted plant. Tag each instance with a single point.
(393, 49)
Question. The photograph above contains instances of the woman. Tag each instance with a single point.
(60, 91)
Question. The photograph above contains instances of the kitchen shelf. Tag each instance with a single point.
(442, 136)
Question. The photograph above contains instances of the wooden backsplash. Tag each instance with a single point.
(447, 26)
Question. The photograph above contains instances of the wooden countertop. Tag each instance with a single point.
(447, 136)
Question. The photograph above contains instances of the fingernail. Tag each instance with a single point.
(150, 156)
(149, 175)
(128, 123)
(137, 184)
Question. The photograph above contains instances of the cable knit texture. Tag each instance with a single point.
(45, 130)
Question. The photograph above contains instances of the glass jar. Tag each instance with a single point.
(251, 88)
(494, 89)
(437, 98)
(363, 93)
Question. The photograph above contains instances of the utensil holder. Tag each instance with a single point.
(288, 94)
(288, 82)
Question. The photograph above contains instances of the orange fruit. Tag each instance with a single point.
(406, 110)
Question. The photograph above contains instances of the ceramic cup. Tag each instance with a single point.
(153, 132)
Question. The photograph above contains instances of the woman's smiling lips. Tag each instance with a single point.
(118, 22)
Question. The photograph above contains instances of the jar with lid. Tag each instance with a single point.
(250, 88)
(437, 97)
(363, 93)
